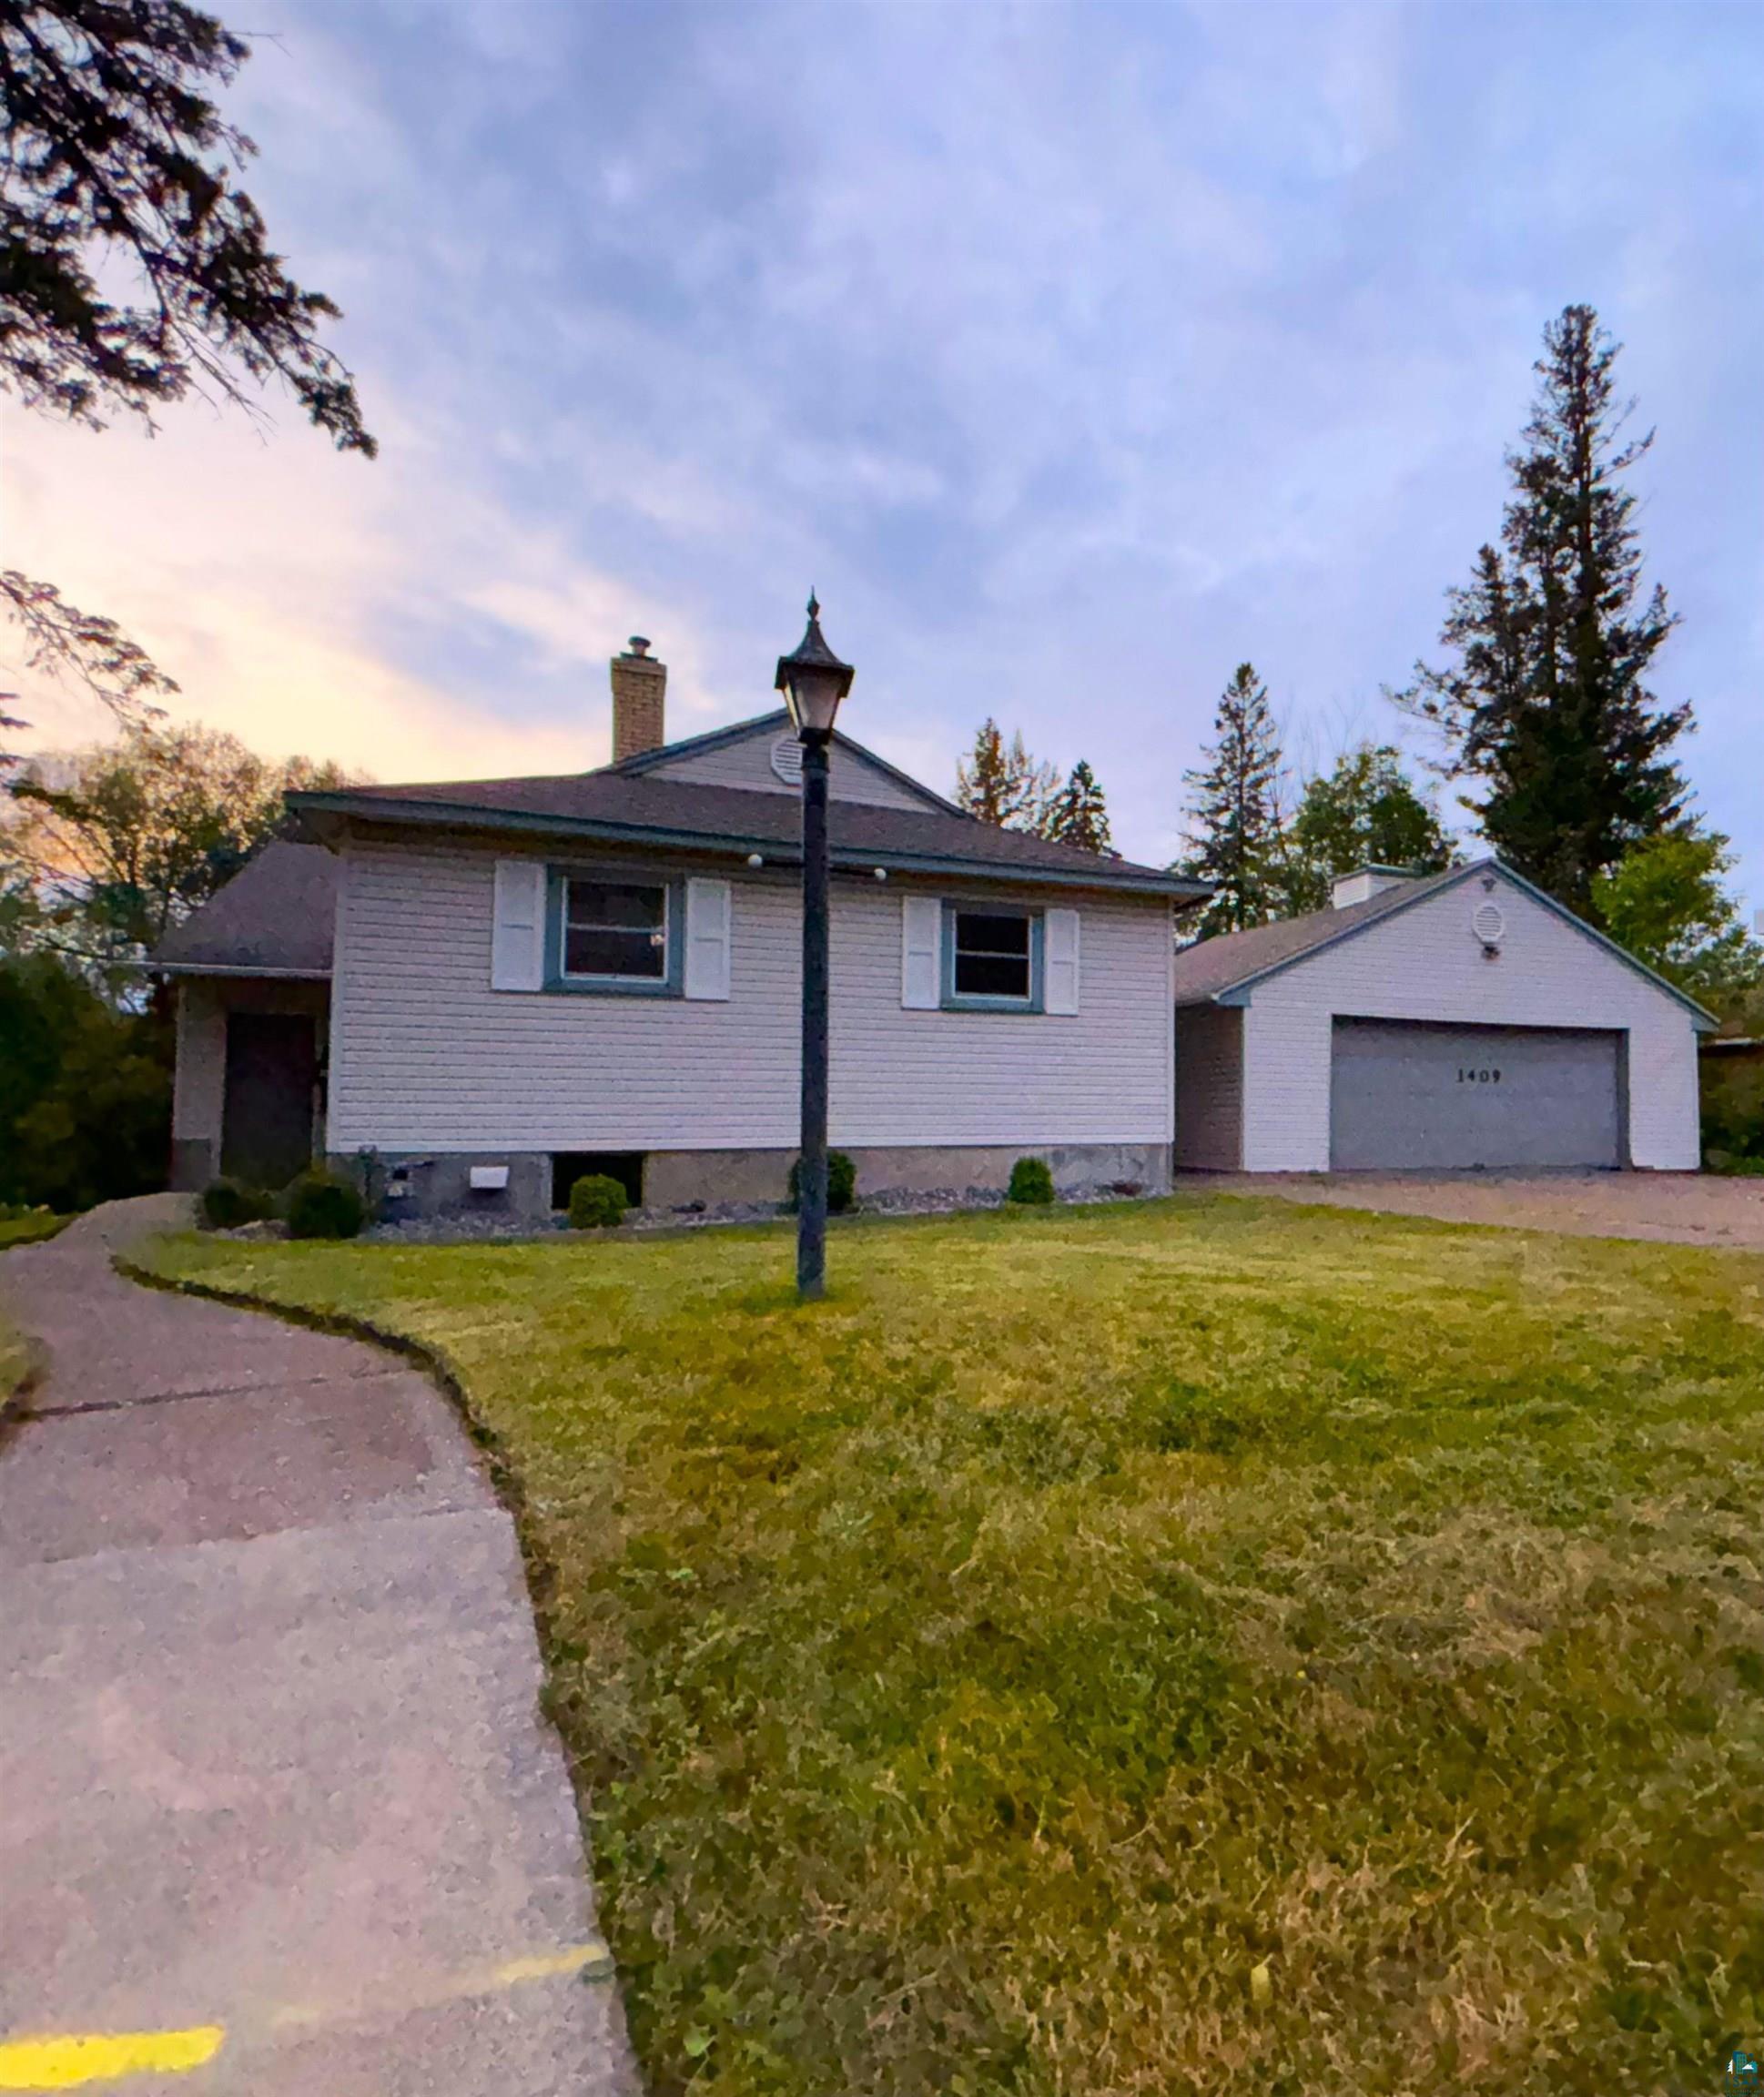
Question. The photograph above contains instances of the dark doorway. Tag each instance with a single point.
(272, 1068)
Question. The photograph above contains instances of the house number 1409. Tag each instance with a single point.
(1483, 1076)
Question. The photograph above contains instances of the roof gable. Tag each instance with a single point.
(741, 756)
(1227, 970)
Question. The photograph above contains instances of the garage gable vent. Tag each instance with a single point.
(787, 760)
(1488, 922)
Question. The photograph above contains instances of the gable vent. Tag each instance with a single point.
(787, 760)
(1489, 923)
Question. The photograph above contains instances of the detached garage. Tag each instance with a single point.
(1454, 1022)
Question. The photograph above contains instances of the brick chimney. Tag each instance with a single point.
(639, 691)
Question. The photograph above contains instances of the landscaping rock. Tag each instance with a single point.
(701, 1215)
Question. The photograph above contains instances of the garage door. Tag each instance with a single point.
(1405, 1097)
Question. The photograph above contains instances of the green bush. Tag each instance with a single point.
(84, 1090)
(1733, 1110)
(841, 1182)
(1031, 1182)
(227, 1203)
(597, 1202)
(320, 1205)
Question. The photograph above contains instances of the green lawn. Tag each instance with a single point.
(1206, 1647)
(26, 1226)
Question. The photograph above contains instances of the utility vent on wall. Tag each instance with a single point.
(1488, 924)
(787, 760)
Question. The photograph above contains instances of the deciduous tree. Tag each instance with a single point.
(1666, 901)
(116, 843)
(134, 269)
(1000, 783)
(1364, 812)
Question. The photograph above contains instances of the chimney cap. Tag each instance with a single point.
(638, 645)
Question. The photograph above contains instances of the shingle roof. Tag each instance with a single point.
(1212, 965)
(275, 915)
(1218, 967)
(687, 815)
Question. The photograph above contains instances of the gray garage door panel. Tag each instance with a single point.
(1409, 1097)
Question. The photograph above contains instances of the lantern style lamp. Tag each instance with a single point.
(814, 681)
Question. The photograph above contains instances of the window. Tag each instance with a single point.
(992, 956)
(616, 931)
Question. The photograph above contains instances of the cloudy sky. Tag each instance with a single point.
(1073, 353)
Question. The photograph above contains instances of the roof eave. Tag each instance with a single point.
(1239, 992)
(160, 968)
(456, 816)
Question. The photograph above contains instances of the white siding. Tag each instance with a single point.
(1424, 964)
(426, 1056)
(1209, 1088)
(199, 1075)
(748, 763)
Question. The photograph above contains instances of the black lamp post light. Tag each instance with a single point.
(814, 681)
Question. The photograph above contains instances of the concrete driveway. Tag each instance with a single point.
(1691, 1208)
(278, 1812)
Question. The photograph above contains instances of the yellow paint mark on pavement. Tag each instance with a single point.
(579, 1958)
(64, 2060)
(593, 1959)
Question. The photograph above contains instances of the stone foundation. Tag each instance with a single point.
(438, 1182)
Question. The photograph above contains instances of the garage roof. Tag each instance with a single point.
(1220, 971)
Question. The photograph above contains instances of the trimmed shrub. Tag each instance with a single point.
(227, 1203)
(320, 1205)
(841, 1183)
(1031, 1182)
(597, 1202)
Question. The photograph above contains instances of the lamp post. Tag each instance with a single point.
(814, 681)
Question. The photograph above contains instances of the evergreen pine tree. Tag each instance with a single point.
(1548, 704)
(1000, 783)
(1077, 814)
(1233, 816)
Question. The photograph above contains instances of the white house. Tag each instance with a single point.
(491, 986)
(1459, 1020)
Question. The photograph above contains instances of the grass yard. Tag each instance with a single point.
(1202, 1646)
(20, 1226)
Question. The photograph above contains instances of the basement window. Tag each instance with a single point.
(624, 1166)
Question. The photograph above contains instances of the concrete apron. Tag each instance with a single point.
(278, 1812)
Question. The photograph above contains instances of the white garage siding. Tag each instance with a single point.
(1424, 964)
(426, 1056)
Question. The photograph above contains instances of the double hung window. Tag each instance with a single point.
(616, 931)
(992, 956)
